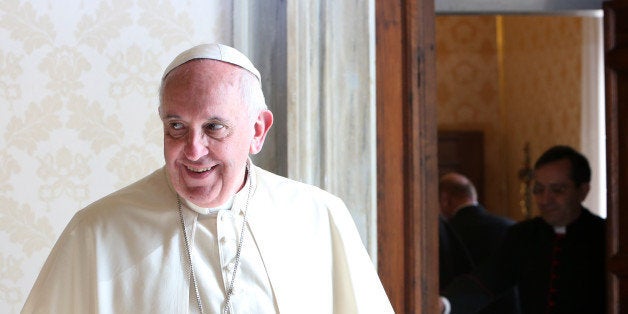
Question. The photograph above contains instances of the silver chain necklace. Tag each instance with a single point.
(237, 258)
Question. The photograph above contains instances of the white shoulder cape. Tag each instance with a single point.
(125, 254)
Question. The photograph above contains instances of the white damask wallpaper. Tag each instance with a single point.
(78, 103)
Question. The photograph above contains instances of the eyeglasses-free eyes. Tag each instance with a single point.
(554, 189)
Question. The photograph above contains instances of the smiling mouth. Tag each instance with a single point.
(549, 210)
(199, 170)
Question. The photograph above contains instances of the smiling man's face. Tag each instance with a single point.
(207, 131)
(556, 194)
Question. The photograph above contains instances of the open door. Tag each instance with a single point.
(407, 200)
(407, 153)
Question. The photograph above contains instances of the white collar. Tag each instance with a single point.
(206, 210)
(237, 199)
(560, 229)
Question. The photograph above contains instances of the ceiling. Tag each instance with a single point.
(518, 6)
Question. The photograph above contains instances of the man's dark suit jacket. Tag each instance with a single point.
(453, 257)
(482, 233)
(527, 257)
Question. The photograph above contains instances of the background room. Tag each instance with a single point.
(512, 85)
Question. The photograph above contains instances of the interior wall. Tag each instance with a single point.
(518, 79)
(79, 91)
(318, 76)
(79, 85)
(541, 90)
(467, 76)
(331, 133)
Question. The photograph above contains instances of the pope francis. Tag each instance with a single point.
(210, 232)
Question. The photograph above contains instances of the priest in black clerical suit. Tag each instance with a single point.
(557, 259)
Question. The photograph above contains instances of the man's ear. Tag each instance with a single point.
(262, 124)
(583, 191)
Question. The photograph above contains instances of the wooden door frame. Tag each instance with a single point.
(407, 154)
(407, 200)
(616, 61)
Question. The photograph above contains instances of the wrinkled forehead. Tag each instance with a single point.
(204, 83)
(558, 171)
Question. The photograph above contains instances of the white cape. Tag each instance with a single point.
(125, 253)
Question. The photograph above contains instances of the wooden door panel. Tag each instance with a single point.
(616, 59)
(407, 203)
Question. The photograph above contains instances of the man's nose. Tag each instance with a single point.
(196, 146)
(543, 197)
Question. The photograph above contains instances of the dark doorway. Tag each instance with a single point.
(463, 152)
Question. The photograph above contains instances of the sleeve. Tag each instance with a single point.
(357, 286)
(67, 277)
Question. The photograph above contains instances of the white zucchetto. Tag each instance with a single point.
(214, 52)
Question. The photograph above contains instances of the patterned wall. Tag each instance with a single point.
(542, 88)
(468, 88)
(78, 86)
(516, 78)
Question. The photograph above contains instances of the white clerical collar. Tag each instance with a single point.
(238, 198)
(206, 210)
(560, 229)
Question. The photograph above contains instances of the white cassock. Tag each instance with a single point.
(126, 253)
